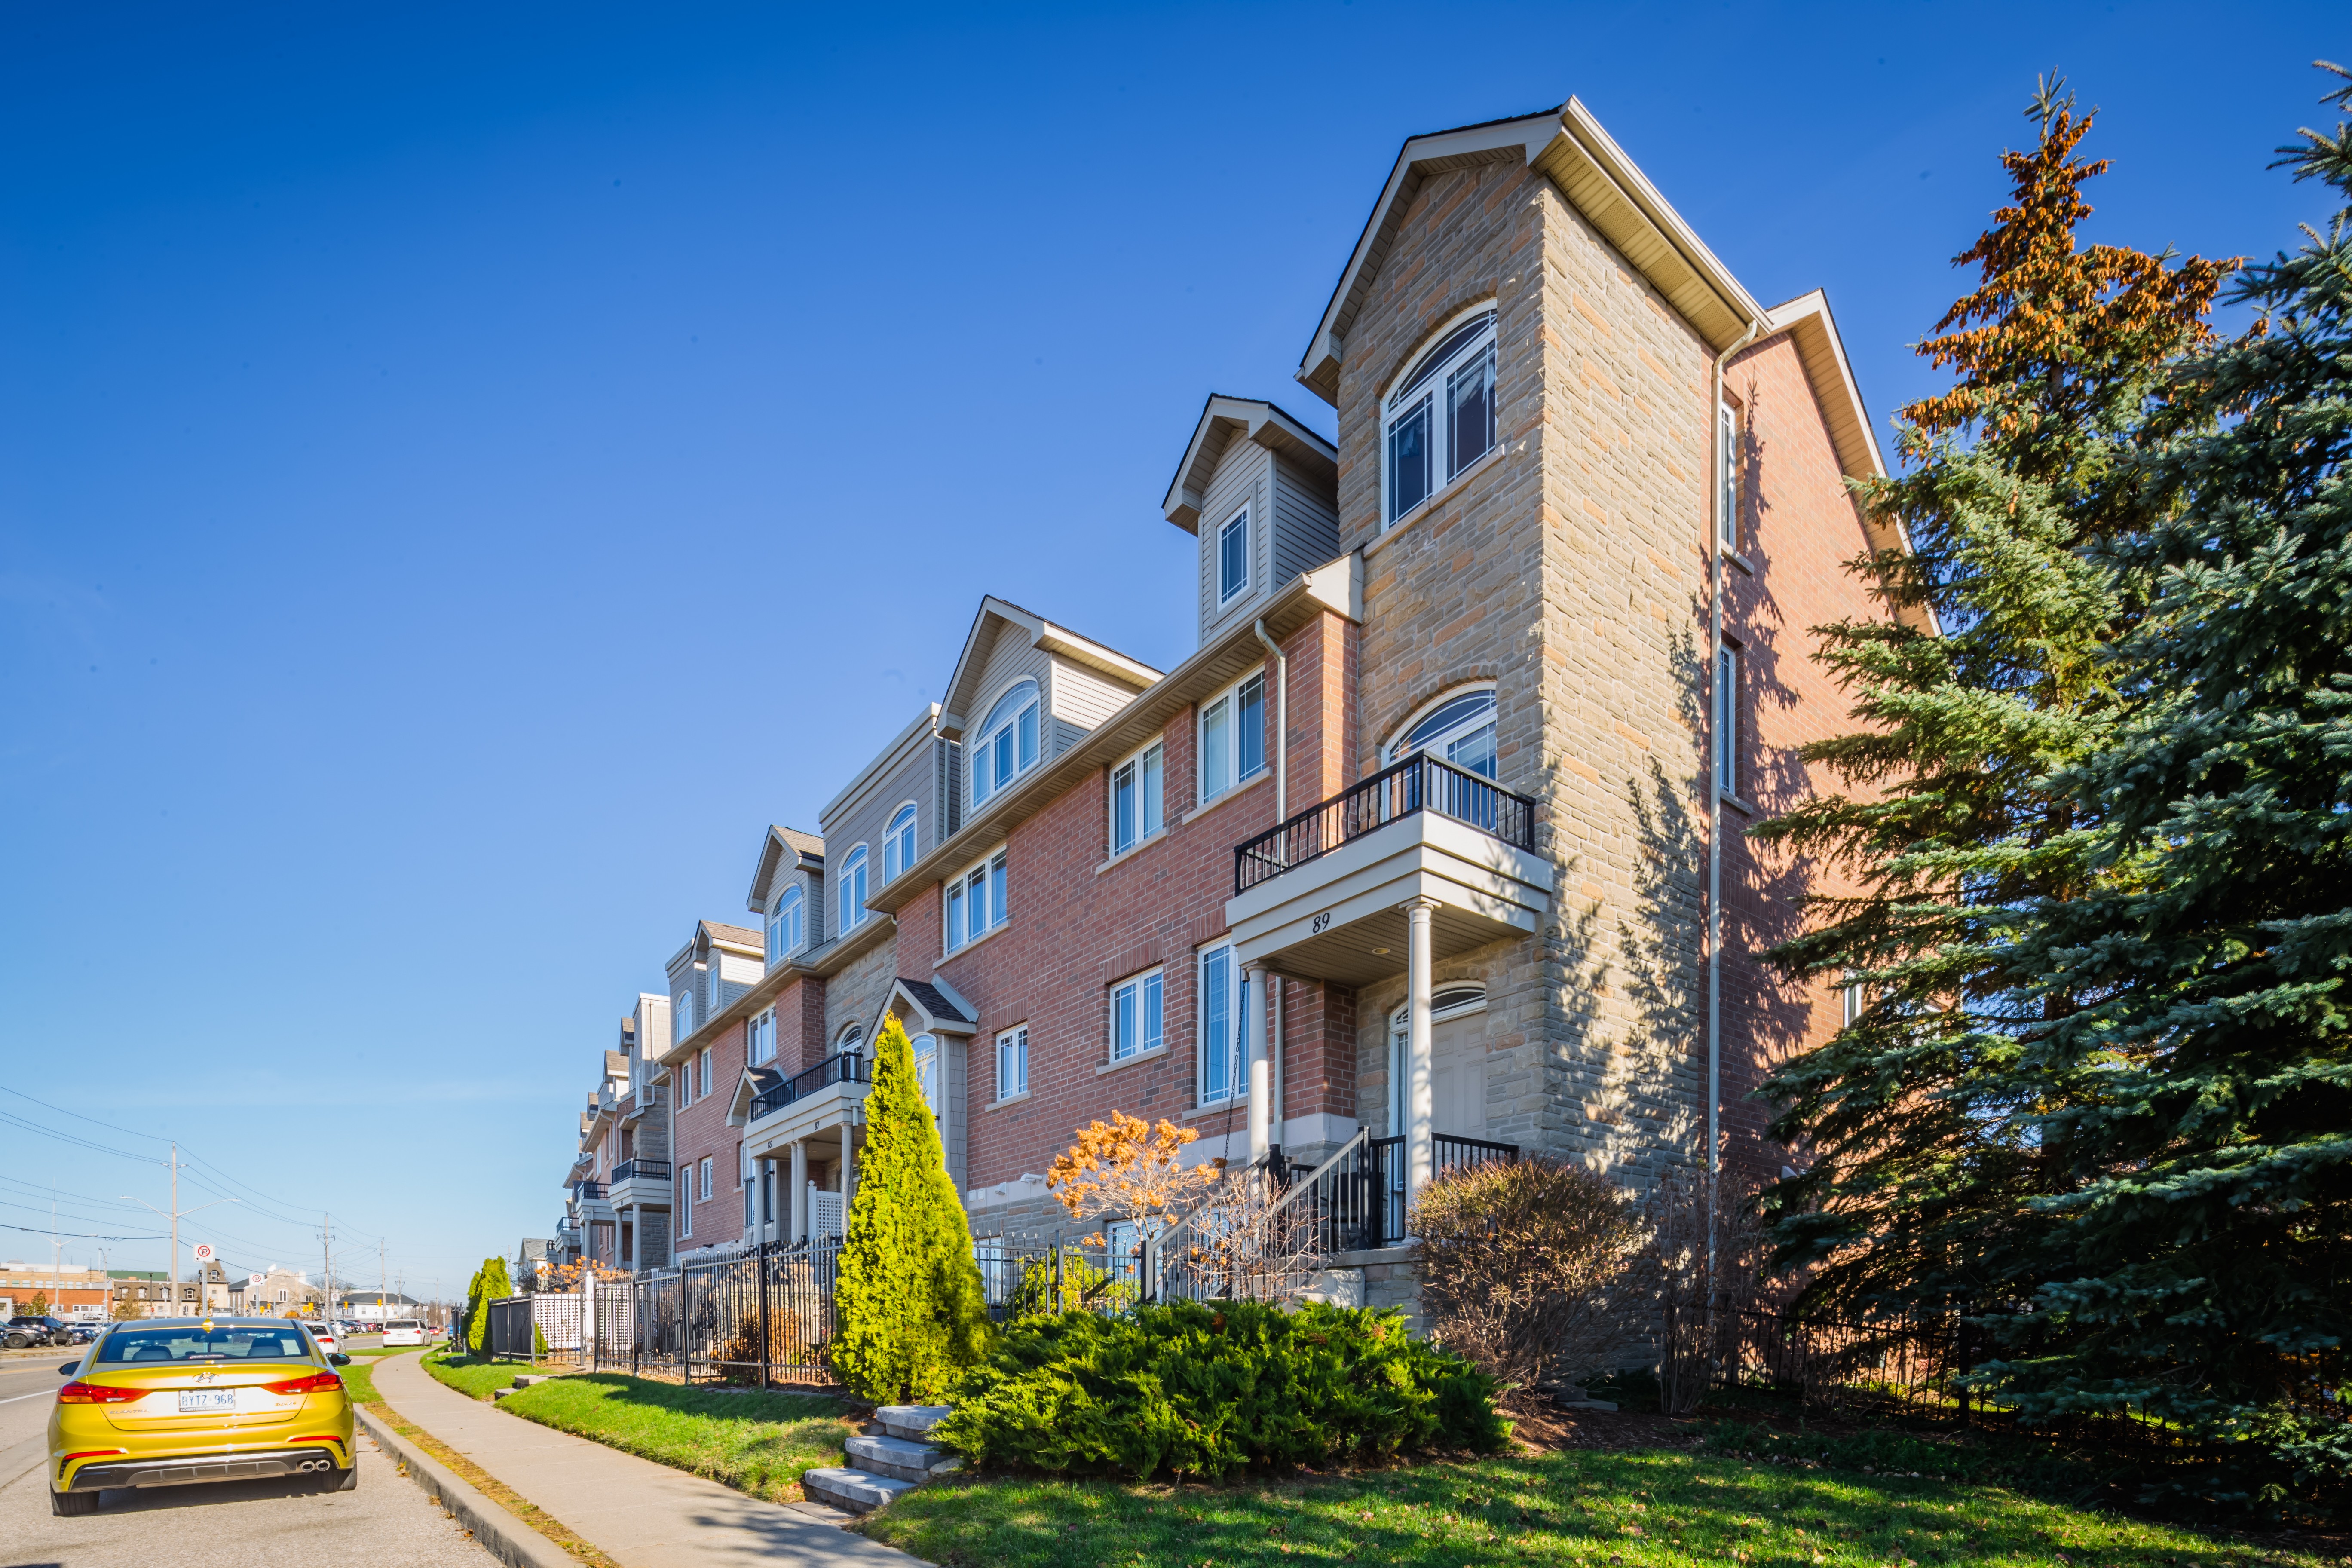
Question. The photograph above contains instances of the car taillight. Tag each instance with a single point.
(79, 1393)
(317, 1382)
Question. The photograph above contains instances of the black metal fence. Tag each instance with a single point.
(765, 1317)
(507, 1330)
(1910, 1359)
(1420, 783)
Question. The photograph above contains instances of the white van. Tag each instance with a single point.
(403, 1331)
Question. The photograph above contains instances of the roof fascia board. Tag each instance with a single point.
(1266, 423)
(811, 965)
(967, 663)
(1318, 371)
(890, 756)
(1337, 586)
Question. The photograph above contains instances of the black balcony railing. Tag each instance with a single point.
(641, 1171)
(846, 1067)
(583, 1191)
(1420, 783)
(1357, 1198)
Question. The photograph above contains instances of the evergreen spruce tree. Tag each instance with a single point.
(473, 1308)
(2197, 1085)
(910, 1310)
(1983, 676)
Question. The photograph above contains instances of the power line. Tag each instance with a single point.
(77, 1235)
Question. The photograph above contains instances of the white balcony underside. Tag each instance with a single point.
(1330, 918)
(820, 1112)
(641, 1191)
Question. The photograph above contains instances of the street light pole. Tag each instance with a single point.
(174, 1214)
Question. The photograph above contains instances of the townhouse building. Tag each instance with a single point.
(1434, 843)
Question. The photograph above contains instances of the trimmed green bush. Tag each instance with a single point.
(1209, 1388)
(493, 1284)
(909, 1306)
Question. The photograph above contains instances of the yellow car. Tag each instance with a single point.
(168, 1402)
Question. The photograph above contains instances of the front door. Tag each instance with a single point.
(1457, 1064)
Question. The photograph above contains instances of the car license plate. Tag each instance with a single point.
(194, 1401)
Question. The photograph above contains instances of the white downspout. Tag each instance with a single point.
(1281, 815)
(1715, 472)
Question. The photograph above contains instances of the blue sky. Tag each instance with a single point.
(465, 470)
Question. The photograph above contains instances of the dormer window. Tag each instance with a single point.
(787, 926)
(898, 844)
(853, 892)
(1233, 558)
(1007, 743)
(1440, 418)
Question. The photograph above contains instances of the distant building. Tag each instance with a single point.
(67, 1292)
(376, 1306)
(273, 1292)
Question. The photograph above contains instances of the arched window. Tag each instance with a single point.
(1440, 418)
(787, 925)
(1459, 728)
(898, 844)
(852, 892)
(1007, 743)
(851, 1037)
(1446, 1001)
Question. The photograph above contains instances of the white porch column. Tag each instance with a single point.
(1419, 1096)
(1261, 1085)
(797, 1198)
(848, 1174)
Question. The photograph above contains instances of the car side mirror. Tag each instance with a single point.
(70, 1368)
(337, 1358)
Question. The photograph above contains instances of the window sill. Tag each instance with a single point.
(1419, 514)
(1200, 811)
(1150, 1056)
(1739, 560)
(1140, 844)
(1239, 1102)
(967, 947)
(1737, 804)
(1008, 1099)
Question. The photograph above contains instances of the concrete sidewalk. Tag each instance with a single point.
(642, 1514)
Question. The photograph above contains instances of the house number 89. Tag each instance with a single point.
(1322, 924)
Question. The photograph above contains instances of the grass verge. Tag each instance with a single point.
(1628, 1509)
(757, 1443)
(478, 1377)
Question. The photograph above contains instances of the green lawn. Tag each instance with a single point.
(1635, 1509)
(756, 1443)
(477, 1376)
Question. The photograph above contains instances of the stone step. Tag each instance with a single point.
(897, 1457)
(912, 1422)
(859, 1492)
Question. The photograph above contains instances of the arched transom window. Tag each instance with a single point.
(1440, 418)
(1007, 743)
(1459, 728)
(898, 844)
(787, 926)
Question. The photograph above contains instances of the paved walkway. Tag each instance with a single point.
(642, 1514)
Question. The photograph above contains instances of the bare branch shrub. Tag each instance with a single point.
(1250, 1245)
(1701, 1296)
(1522, 1266)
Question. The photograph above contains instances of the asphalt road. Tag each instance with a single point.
(387, 1522)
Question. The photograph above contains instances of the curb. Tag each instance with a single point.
(499, 1533)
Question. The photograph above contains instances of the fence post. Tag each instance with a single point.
(762, 1277)
(686, 1326)
(588, 1313)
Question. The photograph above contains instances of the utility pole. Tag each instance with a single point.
(379, 1313)
(327, 1265)
(174, 1214)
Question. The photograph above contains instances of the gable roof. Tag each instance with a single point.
(925, 1006)
(997, 616)
(1224, 418)
(783, 849)
(1569, 147)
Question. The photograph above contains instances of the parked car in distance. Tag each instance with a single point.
(403, 1331)
(326, 1336)
(24, 1332)
(82, 1333)
(171, 1401)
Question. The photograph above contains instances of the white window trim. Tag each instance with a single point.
(1391, 751)
(1110, 1031)
(1111, 798)
(1202, 793)
(793, 899)
(1440, 481)
(1726, 721)
(1019, 1033)
(860, 857)
(893, 866)
(1226, 596)
(763, 1037)
(1727, 478)
(702, 1090)
(983, 739)
(703, 1193)
(1237, 1092)
(998, 917)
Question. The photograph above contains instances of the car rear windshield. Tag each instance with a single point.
(403, 1323)
(222, 1342)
